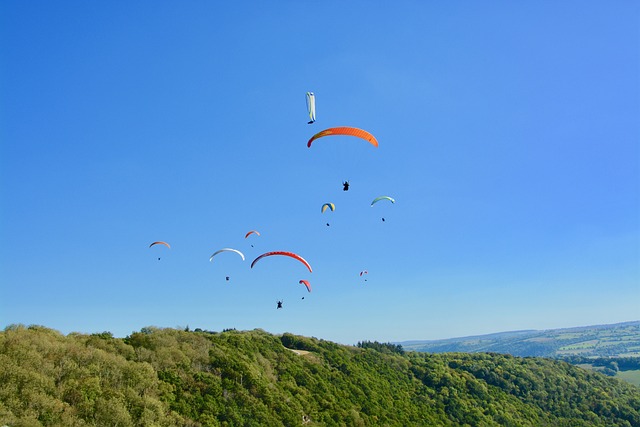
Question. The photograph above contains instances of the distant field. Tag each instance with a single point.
(580, 346)
(568, 336)
(632, 377)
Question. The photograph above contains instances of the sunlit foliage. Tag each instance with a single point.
(172, 377)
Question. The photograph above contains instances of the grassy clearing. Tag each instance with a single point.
(568, 336)
(632, 377)
(299, 352)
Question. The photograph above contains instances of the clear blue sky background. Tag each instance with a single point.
(509, 136)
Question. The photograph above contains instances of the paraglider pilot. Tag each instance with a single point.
(279, 304)
(345, 186)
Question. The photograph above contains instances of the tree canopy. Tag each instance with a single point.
(172, 377)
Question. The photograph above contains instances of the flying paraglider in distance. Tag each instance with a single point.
(345, 186)
(289, 254)
(250, 233)
(306, 283)
(345, 130)
(364, 272)
(377, 199)
(160, 243)
(329, 206)
(311, 107)
(226, 250)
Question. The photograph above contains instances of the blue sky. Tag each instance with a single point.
(509, 137)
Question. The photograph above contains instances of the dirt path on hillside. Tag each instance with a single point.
(298, 352)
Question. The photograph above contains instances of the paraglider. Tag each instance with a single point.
(256, 232)
(329, 206)
(345, 186)
(226, 250)
(345, 130)
(160, 243)
(279, 304)
(364, 272)
(311, 107)
(289, 254)
(250, 233)
(305, 283)
(377, 199)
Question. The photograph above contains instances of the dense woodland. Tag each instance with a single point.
(170, 377)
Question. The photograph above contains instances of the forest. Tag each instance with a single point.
(176, 377)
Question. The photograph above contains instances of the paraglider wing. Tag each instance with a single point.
(345, 130)
(364, 272)
(377, 199)
(226, 250)
(328, 206)
(311, 107)
(251, 232)
(306, 283)
(160, 243)
(289, 254)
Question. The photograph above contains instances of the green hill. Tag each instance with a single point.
(169, 377)
(617, 340)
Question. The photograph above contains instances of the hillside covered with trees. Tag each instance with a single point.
(171, 377)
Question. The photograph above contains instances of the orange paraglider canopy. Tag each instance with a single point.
(345, 130)
(306, 283)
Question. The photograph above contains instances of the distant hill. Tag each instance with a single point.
(170, 377)
(616, 340)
